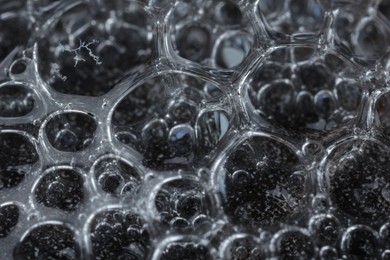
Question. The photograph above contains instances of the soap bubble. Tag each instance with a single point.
(179, 247)
(50, 240)
(358, 187)
(260, 183)
(292, 243)
(60, 188)
(360, 241)
(118, 233)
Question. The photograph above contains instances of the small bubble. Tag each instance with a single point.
(325, 103)
(384, 233)
(32, 217)
(71, 131)
(115, 176)
(233, 50)
(386, 255)
(328, 253)
(179, 223)
(371, 39)
(48, 239)
(37, 122)
(326, 228)
(360, 242)
(201, 221)
(311, 148)
(293, 244)
(241, 178)
(211, 128)
(105, 103)
(183, 249)
(240, 253)
(229, 13)
(181, 138)
(116, 232)
(61, 189)
(203, 172)
(193, 43)
(265, 236)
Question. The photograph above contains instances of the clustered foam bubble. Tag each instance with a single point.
(190, 129)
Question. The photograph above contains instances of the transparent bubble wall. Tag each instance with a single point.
(194, 129)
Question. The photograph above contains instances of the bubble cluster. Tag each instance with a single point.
(296, 88)
(190, 129)
(167, 119)
(115, 176)
(116, 233)
(183, 204)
